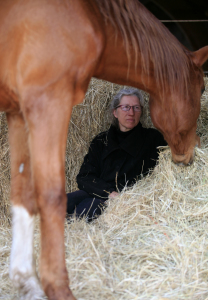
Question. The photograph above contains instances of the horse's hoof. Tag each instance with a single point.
(60, 293)
(32, 295)
(29, 289)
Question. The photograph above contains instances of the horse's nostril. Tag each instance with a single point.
(180, 164)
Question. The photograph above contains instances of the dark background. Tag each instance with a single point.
(193, 35)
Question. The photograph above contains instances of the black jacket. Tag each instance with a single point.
(114, 161)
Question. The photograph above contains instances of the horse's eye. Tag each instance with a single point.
(202, 91)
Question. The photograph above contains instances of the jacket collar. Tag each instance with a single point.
(132, 144)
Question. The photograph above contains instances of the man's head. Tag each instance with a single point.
(126, 108)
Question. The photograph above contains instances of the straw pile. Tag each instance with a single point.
(150, 243)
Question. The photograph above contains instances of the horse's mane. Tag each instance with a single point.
(146, 34)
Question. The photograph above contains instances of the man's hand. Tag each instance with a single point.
(113, 194)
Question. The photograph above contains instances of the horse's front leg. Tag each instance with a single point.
(48, 126)
(22, 267)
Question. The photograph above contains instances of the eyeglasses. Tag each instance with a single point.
(136, 108)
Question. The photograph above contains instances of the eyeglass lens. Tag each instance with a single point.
(128, 107)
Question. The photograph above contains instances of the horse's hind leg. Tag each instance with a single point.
(48, 126)
(22, 268)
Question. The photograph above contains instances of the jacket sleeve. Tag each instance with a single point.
(88, 178)
(153, 140)
(157, 141)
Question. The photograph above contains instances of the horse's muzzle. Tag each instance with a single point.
(184, 159)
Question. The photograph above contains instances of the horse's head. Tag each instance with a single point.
(175, 114)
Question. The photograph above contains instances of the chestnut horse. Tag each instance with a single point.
(49, 50)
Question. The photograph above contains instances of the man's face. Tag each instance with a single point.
(128, 119)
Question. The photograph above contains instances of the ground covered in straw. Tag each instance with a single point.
(150, 243)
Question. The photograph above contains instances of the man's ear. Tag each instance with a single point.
(200, 56)
(115, 114)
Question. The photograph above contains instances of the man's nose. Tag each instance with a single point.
(131, 111)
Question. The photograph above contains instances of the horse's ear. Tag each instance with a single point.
(200, 56)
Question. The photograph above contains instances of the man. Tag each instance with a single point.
(116, 158)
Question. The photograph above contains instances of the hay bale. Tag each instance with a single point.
(202, 124)
(150, 243)
(4, 171)
(88, 119)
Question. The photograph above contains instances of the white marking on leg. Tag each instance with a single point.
(22, 269)
(21, 168)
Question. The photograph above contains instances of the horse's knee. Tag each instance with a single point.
(52, 201)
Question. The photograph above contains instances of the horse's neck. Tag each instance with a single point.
(115, 66)
(164, 61)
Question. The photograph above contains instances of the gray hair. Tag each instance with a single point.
(117, 99)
